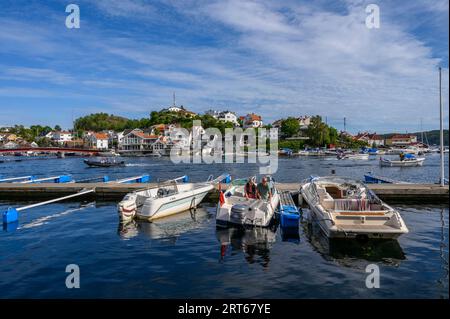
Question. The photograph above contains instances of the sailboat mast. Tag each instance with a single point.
(421, 131)
(441, 126)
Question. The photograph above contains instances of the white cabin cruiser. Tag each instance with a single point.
(168, 198)
(345, 208)
(236, 209)
(408, 161)
(353, 156)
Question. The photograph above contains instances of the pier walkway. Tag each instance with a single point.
(408, 193)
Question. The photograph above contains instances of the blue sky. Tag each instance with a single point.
(275, 58)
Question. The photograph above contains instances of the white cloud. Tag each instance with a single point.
(275, 58)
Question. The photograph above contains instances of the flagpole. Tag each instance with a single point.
(441, 109)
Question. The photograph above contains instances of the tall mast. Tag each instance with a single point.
(441, 109)
(421, 131)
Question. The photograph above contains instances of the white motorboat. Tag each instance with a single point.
(354, 156)
(345, 208)
(168, 198)
(406, 162)
(235, 208)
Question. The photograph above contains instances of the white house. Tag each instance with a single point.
(213, 113)
(252, 120)
(98, 141)
(136, 140)
(174, 109)
(228, 117)
(60, 136)
(10, 145)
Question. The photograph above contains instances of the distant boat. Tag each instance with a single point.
(409, 161)
(104, 162)
(370, 178)
(285, 151)
(353, 156)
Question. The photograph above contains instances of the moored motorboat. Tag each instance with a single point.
(371, 178)
(409, 160)
(235, 208)
(353, 156)
(345, 208)
(167, 198)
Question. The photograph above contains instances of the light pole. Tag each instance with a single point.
(441, 126)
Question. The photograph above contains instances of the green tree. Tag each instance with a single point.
(290, 126)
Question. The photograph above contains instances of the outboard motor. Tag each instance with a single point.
(239, 212)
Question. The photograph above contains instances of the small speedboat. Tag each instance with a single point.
(104, 162)
(408, 161)
(370, 178)
(235, 209)
(167, 198)
(345, 208)
(353, 156)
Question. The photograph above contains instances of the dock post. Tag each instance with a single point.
(10, 216)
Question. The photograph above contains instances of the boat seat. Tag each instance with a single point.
(352, 204)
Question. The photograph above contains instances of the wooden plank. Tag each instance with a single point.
(402, 192)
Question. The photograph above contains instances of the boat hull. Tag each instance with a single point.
(352, 217)
(405, 163)
(257, 213)
(158, 208)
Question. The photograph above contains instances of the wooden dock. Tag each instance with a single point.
(407, 193)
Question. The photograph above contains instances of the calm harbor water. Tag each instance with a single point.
(185, 256)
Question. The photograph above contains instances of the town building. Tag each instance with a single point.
(228, 116)
(372, 139)
(402, 140)
(252, 121)
(59, 137)
(136, 140)
(8, 137)
(98, 141)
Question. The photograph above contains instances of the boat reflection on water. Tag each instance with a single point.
(167, 229)
(349, 252)
(254, 242)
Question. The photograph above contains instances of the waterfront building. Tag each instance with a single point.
(402, 140)
(60, 137)
(137, 140)
(228, 116)
(98, 141)
(8, 137)
(370, 138)
(252, 121)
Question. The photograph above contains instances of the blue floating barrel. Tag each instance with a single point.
(143, 179)
(227, 179)
(185, 179)
(290, 216)
(105, 179)
(10, 216)
(63, 179)
(11, 227)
